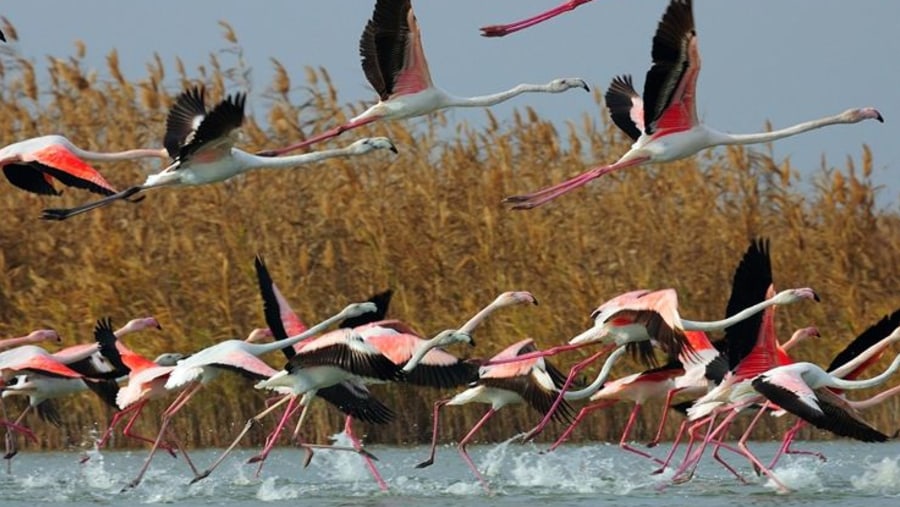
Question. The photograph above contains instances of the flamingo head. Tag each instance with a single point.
(258, 335)
(865, 113)
(135, 325)
(515, 298)
(368, 144)
(791, 296)
(357, 309)
(567, 83)
(20, 384)
(44, 335)
(449, 337)
(168, 359)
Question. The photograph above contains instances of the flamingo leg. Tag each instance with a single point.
(12, 447)
(272, 439)
(675, 443)
(116, 419)
(64, 213)
(578, 418)
(249, 425)
(535, 199)
(501, 30)
(623, 442)
(348, 430)
(692, 459)
(562, 391)
(170, 412)
(465, 455)
(665, 414)
(721, 460)
(177, 441)
(328, 134)
(742, 445)
(434, 433)
(128, 432)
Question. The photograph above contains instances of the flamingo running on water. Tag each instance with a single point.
(664, 125)
(33, 164)
(502, 30)
(393, 61)
(201, 145)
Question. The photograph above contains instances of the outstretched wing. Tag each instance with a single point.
(391, 50)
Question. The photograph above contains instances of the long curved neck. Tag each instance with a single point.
(259, 349)
(765, 137)
(292, 161)
(863, 384)
(420, 353)
(598, 382)
(719, 325)
(479, 317)
(848, 367)
(496, 98)
(795, 338)
(122, 155)
(875, 400)
(15, 342)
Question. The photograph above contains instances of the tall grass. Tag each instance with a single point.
(427, 223)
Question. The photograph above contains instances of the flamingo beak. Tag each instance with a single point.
(393, 148)
(586, 87)
(879, 117)
(816, 297)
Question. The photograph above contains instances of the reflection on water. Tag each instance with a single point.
(571, 476)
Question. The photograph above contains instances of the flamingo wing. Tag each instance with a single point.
(750, 283)
(382, 301)
(355, 400)
(346, 350)
(670, 86)
(30, 178)
(625, 106)
(246, 364)
(875, 333)
(60, 163)
(49, 412)
(450, 374)
(511, 369)
(280, 319)
(183, 119)
(213, 136)
(391, 50)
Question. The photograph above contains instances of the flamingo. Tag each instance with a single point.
(200, 368)
(532, 381)
(502, 30)
(394, 63)
(33, 164)
(38, 336)
(664, 125)
(201, 145)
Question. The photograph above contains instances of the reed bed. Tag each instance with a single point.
(427, 223)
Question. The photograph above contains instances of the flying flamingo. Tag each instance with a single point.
(664, 124)
(502, 30)
(33, 164)
(193, 372)
(393, 61)
(201, 145)
(41, 335)
(532, 381)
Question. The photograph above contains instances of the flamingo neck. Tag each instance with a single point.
(288, 162)
(23, 340)
(840, 383)
(795, 338)
(599, 381)
(875, 400)
(848, 367)
(122, 155)
(765, 137)
(719, 325)
(496, 98)
(478, 318)
(258, 349)
(423, 349)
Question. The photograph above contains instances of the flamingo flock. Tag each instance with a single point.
(745, 370)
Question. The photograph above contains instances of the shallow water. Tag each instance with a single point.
(579, 475)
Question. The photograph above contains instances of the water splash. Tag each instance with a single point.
(881, 477)
(799, 475)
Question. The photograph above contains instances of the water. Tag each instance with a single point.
(573, 476)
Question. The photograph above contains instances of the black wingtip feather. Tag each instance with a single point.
(271, 312)
(663, 77)
(190, 104)
(383, 44)
(106, 340)
(619, 101)
(872, 335)
(382, 302)
(29, 178)
(751, 281)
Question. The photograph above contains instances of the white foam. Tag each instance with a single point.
(800, 475)
(881, 477)
(269, 492)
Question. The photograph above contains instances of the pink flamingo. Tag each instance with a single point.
(531, 381)
(664, 124)
(33, 164)
(502, 30)
(201, 145)
(393, 61)
(41, 335)
(193, 372)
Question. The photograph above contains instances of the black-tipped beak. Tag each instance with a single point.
(586, 87)
(471, 342)
(535, 302)
(816, 297)
(880, 118)
(394, 149)
(158, 326)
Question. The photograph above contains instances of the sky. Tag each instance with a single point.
(763, 60)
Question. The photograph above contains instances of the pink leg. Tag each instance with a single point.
(559, 398)
(272, 439)
(665, 414)
(170, 412)
(623, 442)
(465, 455)
(116, 419)
(535, 199)
(721, 460)
(315, 139)
(434, 433)
(11, 446)
(501, 30)
(692, 460)
(127, 431)
(742, 445)
(675, 443)
(788, 440)
(578, 418)
(348, 430)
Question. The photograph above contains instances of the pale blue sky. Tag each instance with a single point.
(781, 60)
